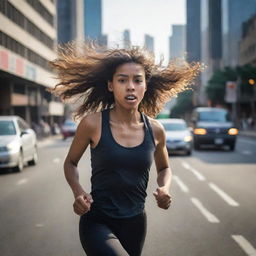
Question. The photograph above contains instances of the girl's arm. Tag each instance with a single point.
(80, 142)
(164, 173)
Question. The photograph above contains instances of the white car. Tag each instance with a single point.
(178, 135)
(18, 143)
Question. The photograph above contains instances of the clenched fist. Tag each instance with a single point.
(163, 198)
(82, 204)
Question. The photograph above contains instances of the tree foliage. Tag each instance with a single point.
(184, 104)
(215, 89)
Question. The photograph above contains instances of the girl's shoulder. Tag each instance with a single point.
(157, 127)
(91, 121)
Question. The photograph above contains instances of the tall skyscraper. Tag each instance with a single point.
(70, 20)
(149, 43)
(193, 30)
(234, 13)
(177, 41)
(127, 39)
(211, 42)
(92, 19)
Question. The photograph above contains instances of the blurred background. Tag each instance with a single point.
(214, 124)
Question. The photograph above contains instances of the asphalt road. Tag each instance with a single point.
(213, 211)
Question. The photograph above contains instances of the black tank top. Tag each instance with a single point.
(120, 174)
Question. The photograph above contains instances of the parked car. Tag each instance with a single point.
(213, 126)
(18, 143)
(178, 135)
(68, 129)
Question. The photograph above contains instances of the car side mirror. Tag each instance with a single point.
(23, 133)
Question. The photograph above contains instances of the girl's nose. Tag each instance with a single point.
(130, 85)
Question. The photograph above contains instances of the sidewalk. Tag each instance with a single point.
(248, 133)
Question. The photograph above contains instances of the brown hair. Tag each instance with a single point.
(85, 73)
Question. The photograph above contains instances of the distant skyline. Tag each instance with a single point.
(152, 17)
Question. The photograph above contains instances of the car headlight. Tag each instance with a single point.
(232, 131)
(14, 145)
(200, 131)
(188, 138)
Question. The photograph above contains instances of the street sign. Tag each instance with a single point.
(231, 92)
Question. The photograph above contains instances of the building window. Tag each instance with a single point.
(17, 17)
(41, 10)
(13, 45)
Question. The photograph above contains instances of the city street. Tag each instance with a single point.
(212, 214)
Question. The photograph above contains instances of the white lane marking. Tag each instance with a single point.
(247, 141)
(56, 160)
(223, 195)
(21, 182)
(180, 183)
(39, 225)
(193, 170)
(245, 245)
(208, 215)
(246, 152)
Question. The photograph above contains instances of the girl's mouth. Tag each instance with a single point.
(131, 98)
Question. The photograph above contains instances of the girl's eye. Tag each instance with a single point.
(138, 81)
(121, 80)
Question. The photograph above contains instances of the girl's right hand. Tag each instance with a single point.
(82, 204)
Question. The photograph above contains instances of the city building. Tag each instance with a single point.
(211, 42)
(70, 20)
(92, 19)
(27, 42)
(149, 43)
(193, 30)
(234, 13)
(193, 41)
(248, 43)
(127, 39)
(177, 42)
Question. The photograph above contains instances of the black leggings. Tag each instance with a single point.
(104, 236)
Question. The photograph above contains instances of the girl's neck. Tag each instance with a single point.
(125, 116)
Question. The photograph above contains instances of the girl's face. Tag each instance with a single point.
(128, 85)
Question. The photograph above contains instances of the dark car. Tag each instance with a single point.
(213, 126)
(68, 129)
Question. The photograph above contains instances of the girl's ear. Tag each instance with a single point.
(110, 88)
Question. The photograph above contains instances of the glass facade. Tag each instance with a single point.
(234, 13)
(92, 19)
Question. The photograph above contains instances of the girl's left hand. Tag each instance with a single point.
(163, 198)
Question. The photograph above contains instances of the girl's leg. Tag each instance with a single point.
(131, 233)
(98, 240)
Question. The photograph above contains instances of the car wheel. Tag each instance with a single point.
(20, 165)
(35, 158)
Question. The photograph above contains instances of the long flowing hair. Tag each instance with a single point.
(84, 73)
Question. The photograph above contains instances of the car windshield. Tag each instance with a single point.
(214, 116)
(174, 126)
(7, 128)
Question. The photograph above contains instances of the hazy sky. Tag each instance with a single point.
(153, 17)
